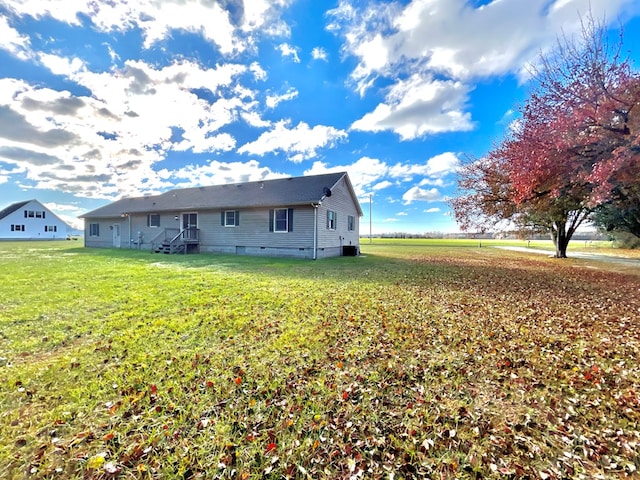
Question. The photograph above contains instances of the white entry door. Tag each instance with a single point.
(116, 235)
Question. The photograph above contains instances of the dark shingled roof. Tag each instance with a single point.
(12, 208)
(263, 193)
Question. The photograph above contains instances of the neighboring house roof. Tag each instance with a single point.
(12, 208)
(264, 193)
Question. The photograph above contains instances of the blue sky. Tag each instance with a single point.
(100, 100)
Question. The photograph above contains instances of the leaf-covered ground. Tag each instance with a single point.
(425, 362)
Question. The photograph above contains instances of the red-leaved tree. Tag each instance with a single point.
(574, 149)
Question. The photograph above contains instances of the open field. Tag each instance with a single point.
(429, 360)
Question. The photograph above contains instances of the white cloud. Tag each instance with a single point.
(402, 214)
(434, 169)
(419, 106)
(433, 182)
(419, 194)
(12, 41)
(433, 35)
(115, 137)
(61, 65)
(363, 173)
(61, 10)
(319, 53)
(231, 29)
(428, 52)
(288, 51)
(381, 185)
(254, 119)
(272, 101)
(258, 72)
(432, 210)
(442, 164)
(216, 172)
(299, 143)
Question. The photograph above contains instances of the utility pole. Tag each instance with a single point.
(370, 221)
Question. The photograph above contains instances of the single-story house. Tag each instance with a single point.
(31, 220)
(309, 217)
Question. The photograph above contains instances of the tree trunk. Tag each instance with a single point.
(560, 238)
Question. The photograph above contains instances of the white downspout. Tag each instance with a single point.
(315, 230)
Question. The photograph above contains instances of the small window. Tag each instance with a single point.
(50, 228)
(153, 220)
(351, 223)
(94, 229)
(17, 228)
(331, 220)
(231, 218)
(39, 215)
(32, 214)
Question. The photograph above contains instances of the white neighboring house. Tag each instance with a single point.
(31, 220)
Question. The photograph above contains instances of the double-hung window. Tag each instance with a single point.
(351, 223)
(231, 218)
(153, 220)
(331, 220)
(94, 229)
(281, 220)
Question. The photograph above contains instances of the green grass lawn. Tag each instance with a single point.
(416, 360)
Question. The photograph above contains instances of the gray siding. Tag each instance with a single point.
(340, 202)
(251, 236)
(105, 237)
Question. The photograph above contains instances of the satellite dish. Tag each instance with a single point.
(326, 191)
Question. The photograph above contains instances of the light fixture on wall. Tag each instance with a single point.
(176, 218)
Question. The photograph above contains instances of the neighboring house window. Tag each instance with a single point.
(38, 214)
(153, 220)
(351, 223)
(230, 218)
(17, 228)
(50, 228)
(94, 229)
(281, 220)
(29, 214)
(331, 220)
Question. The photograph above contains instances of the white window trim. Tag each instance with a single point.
(149, 220)
(331, 220)
(286, 219)
(226, 218)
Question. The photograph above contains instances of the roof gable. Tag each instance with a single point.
(12, 208)
(263, 193)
